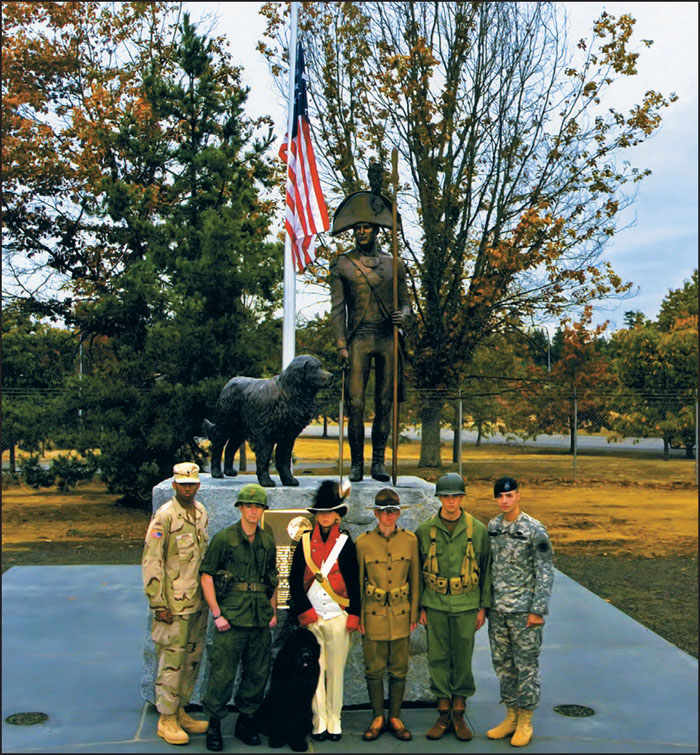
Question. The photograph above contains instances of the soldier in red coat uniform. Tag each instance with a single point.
(325, 596)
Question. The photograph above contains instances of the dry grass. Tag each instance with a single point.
(633, 505)
(627, 529)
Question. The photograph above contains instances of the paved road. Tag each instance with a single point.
(585, 442)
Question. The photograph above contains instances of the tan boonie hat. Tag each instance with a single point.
(187, 471)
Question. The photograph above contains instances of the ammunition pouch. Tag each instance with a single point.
(386, 597)
(446, 585)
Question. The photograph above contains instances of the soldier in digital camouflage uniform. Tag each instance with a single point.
(239, 582)
(175, 543)
(390, 587)
(522, 577)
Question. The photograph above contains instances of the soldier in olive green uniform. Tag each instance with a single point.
(390, 586)
(456, 591)
(239, 581)
(175, 543)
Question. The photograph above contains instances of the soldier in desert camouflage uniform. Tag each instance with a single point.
(522, 576)
(175, 543)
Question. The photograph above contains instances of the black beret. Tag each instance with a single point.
(504, 485)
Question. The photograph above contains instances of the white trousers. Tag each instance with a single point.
(334, 640)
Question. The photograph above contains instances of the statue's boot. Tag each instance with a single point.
(356, 471)
(356, 440)
(378, 471)
(379, 437)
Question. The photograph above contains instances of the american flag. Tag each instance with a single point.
(306, 208)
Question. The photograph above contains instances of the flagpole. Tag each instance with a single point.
(290, 280)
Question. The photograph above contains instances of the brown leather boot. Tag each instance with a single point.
(462, 731)
(442, 725)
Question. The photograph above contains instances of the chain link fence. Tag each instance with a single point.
(500, 423)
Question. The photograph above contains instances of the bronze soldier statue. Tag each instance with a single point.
(363, 318)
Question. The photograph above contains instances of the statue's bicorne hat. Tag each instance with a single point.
(365, 206)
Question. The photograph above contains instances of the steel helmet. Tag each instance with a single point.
(450, 484)
(252, 493)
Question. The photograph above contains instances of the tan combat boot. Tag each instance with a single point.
(169, 730)
(189, 724)
(462, 731)
(506, 727)
(523, 732)
(443, 723)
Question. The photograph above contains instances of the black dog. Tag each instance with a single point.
(265, 412)
(285, 714)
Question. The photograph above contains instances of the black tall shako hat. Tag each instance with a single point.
(365, 206)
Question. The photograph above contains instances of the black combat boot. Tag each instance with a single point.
(245, 730)
(214, 740)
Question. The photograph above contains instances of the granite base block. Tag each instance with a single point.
(219, 496)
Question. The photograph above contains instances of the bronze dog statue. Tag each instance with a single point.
(268, 413)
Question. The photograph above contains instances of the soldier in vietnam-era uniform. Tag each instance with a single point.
(175, 543)
(522, 574)
(456, 591)
(239, 582)
(390, 585)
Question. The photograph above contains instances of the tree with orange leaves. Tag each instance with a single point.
(512, 177)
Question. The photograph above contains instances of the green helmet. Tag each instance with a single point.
(252, 493)
(450, 484)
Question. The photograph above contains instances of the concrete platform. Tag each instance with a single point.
(72, 638)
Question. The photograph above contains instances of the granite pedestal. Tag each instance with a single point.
(219, 496)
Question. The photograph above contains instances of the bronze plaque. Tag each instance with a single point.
(287, 526)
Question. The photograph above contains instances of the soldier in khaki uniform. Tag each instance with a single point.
(390, 586)
(175, 543)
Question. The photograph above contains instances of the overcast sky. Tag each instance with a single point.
(660, 250)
